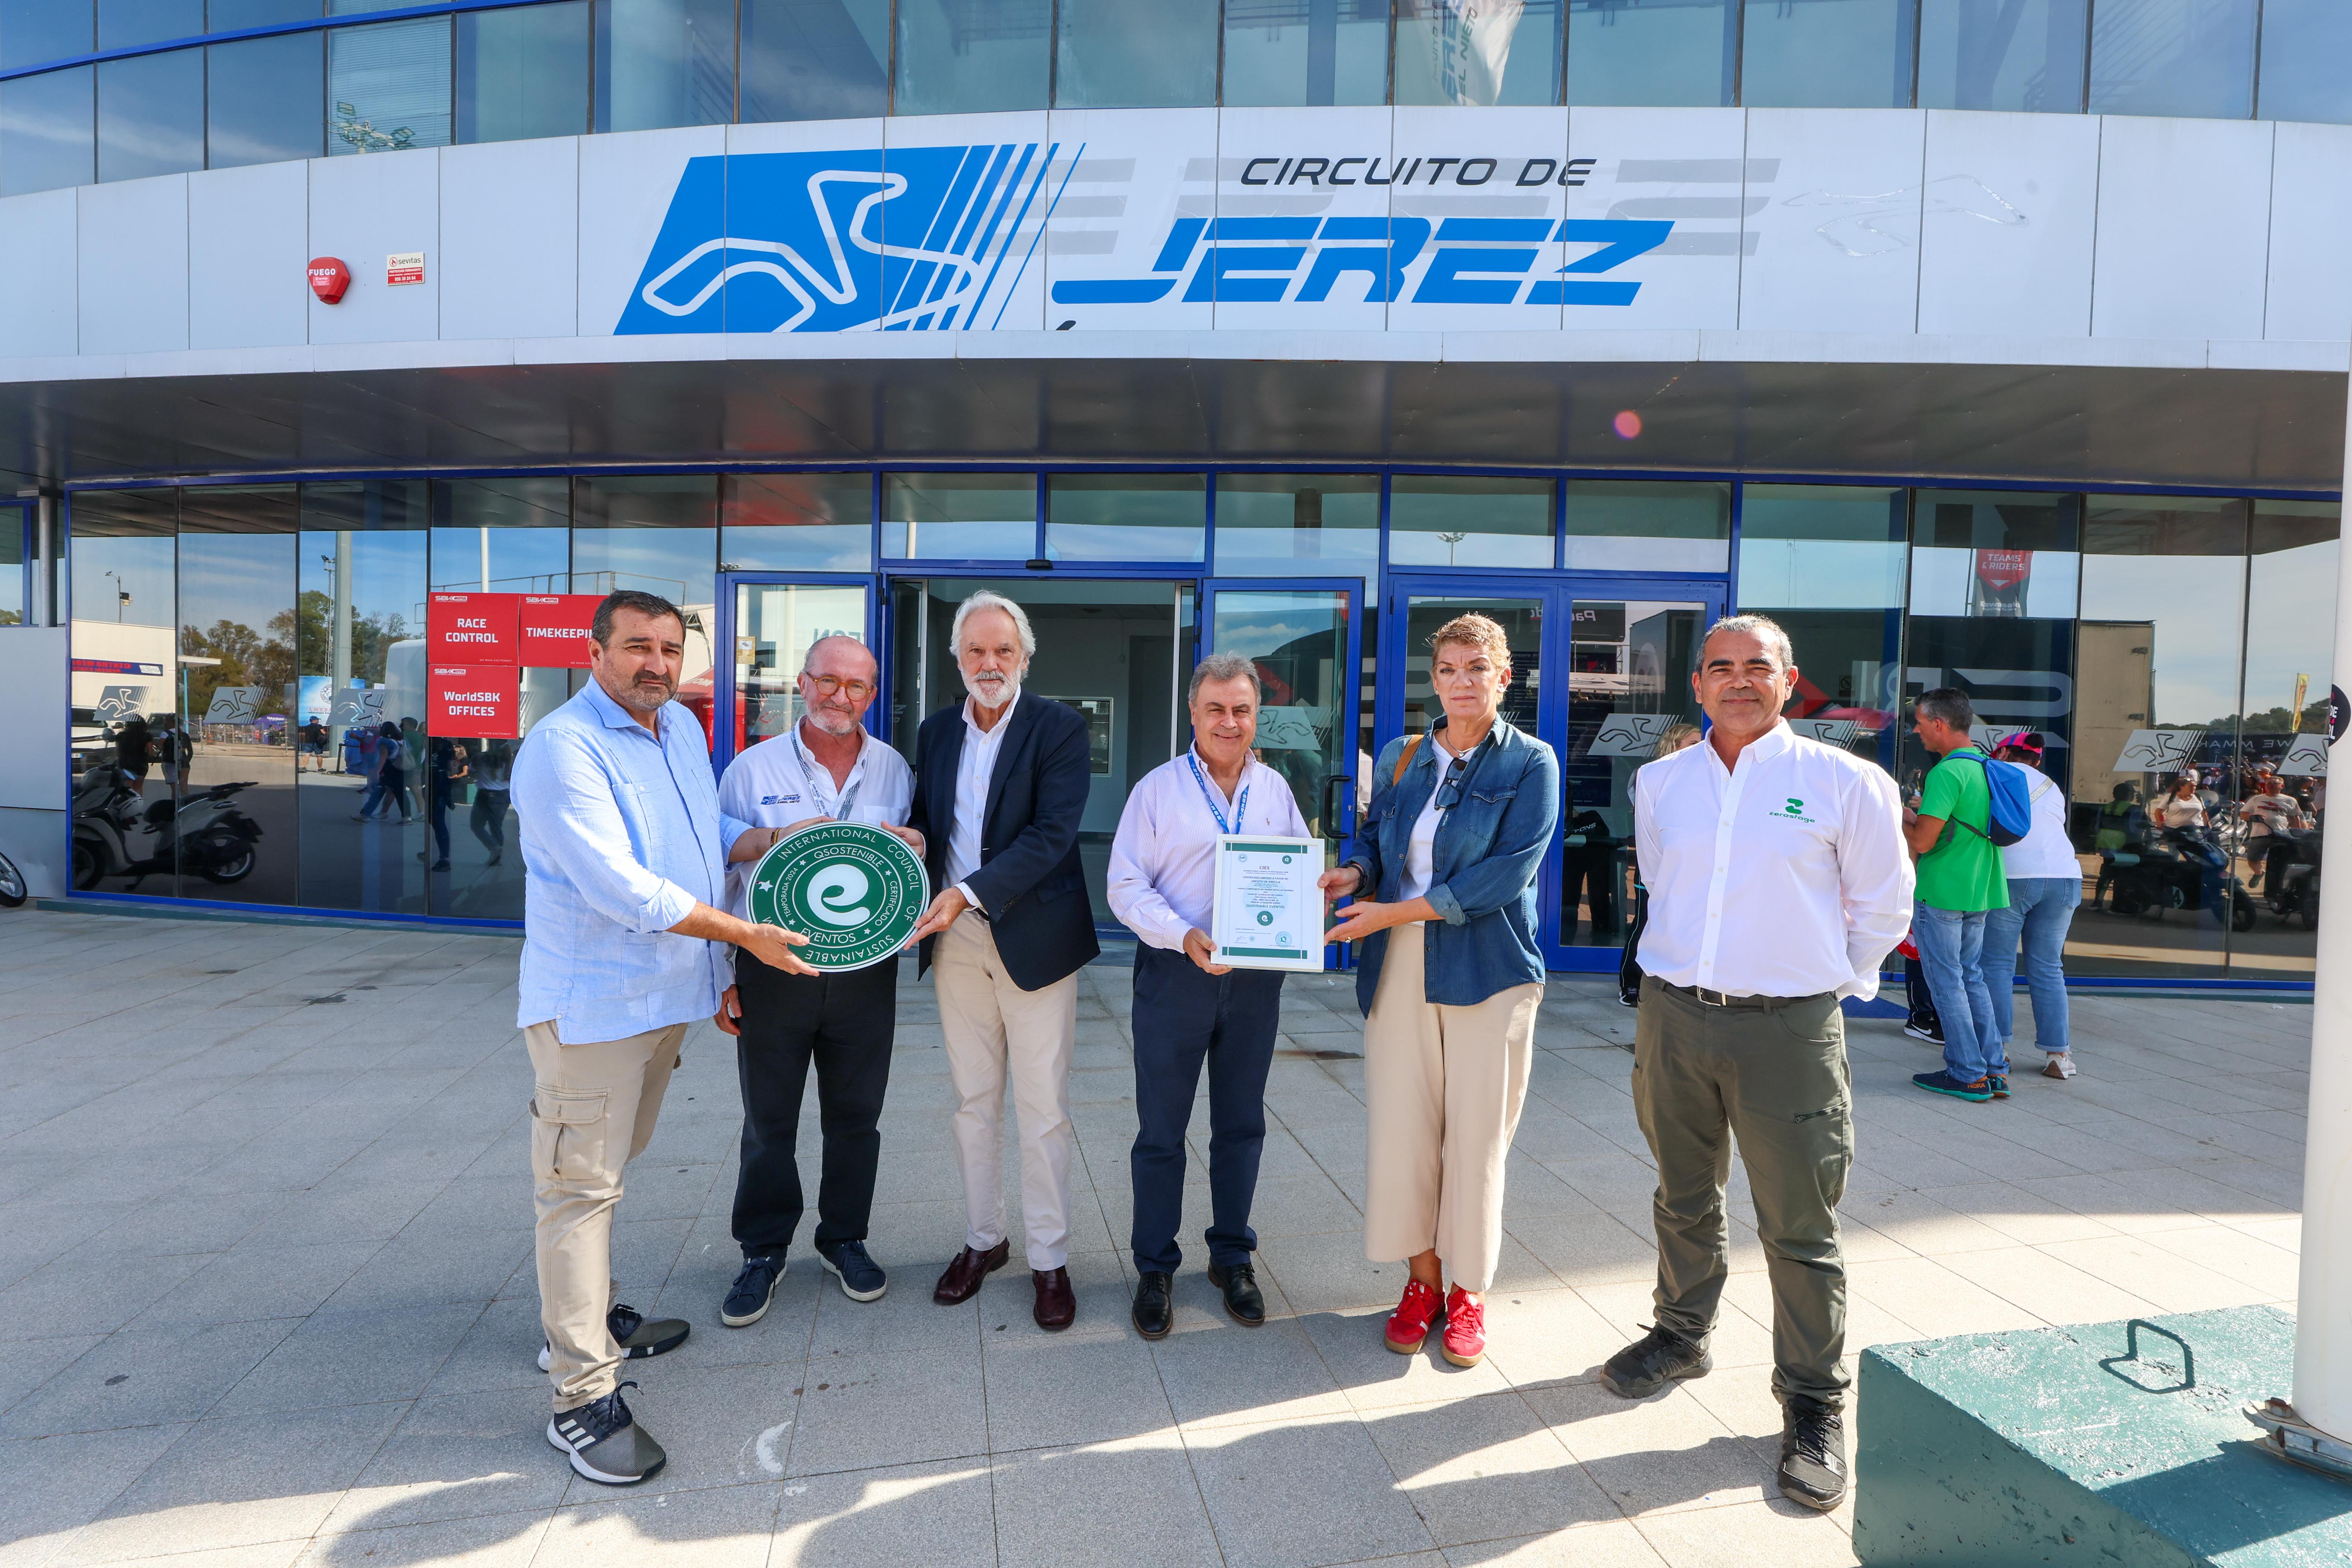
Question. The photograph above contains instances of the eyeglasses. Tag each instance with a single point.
(827, 685)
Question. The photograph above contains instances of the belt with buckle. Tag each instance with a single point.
(1707, 998)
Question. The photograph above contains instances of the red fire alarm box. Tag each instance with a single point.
(555, 629)
(479, 700)
(477, 628)
(329, 278)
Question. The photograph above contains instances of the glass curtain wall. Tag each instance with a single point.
(1640, 525)
(1827, 562)
(522, 72)
(2290, 653)
(1826, 54)
(151, 115)
(1134, 54)
(814, 60)
(1298, 525)
(13, 523)
(1447, 519)
(388, 87)
(796, 522)
(359, 707)
(262, 98)
(658, 534)
(1464, 52)
(2189, 57)
(967, 56)
(236, 835)
(1294, 53)
(123, 716)
(2003, 54)
(1127, 517)
(1625, 52)
(2305, 44)
(664, 62)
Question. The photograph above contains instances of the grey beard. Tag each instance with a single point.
(830, 724)
(1005, 693)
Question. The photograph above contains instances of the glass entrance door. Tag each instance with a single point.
(1600, 672)
(770, 622)
(1306, 640)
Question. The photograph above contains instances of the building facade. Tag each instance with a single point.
(344, 358)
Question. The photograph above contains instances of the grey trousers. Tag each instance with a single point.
(1771, 1074)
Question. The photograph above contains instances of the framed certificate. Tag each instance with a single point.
(1269, 912)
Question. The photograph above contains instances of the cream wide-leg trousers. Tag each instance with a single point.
(1443, 1088)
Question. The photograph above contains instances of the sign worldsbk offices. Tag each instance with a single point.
(478, 645)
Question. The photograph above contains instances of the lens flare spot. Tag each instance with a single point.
(1627, 425)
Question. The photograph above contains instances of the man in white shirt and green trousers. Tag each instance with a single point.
(1778, 882)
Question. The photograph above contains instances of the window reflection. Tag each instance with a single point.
(262, 106)
(1286, 53)
(151, 115)
(2002, 54)
(522, 72)
(1464, 52)
(232, 16)
(811, 523)
(1826, 54)
(388, 87)
(44, 131)
(50, 30)
(128, 24)
(2173, 56)
(125, 741)
(1995, 553)
(1626, 52)
(964, 56)
(1298, 525)
(664, 62)
(959, 517)
(815, 59)
(1136, 54)
(2305, 44)
(2290, 651)
(13, 522)
(1443, 519)
(1822, 546)
(1126, 517)
(657, 534)
(1629, 525)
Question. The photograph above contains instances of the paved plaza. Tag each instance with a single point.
(265, 1278)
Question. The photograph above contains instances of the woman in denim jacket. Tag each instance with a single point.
(1449, 851)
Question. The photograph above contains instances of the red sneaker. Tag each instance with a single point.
(1465, 1328)
(1408, 1327)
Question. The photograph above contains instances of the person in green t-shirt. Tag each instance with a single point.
(1961, 877)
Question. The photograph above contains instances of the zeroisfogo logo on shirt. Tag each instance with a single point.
(1792, 810)
(780, 800)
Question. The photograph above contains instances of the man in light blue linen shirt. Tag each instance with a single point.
(625, 849)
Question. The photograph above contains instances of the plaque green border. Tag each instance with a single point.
(895, 871)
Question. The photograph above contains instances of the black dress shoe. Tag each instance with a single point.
(963, 1277)
(1652, 1362)
(1155, 1313)
(1243, 1303)
(1812, 1452)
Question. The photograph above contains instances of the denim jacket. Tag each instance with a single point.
(1482, 866)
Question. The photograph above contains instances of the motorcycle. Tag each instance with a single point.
(2294, 887)
(12, 884)
(2179, 871)
(202, 832)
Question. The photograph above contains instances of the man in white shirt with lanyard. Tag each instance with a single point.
(1778, 882)
(1189, 1009)
(825, 767)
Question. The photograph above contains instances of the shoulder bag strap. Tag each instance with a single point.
(1404, 759)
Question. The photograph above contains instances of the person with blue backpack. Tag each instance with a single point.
(1969, 808)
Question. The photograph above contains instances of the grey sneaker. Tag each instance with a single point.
(637, 1335)
(604, 1443)
(1649, 1363)
(1813, 1453)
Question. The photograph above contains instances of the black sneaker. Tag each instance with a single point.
(861, 1278)
(754, 1288)
(1244, 1303)
(1919, 1031)
(604, 1442)
(1154, 1312)
(1812, 1452)
(637, 1335)
(1652, 1362)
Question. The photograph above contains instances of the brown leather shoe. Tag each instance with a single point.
(1057, 1306)
(963, 1277)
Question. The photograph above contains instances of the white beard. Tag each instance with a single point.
(1004, 693)
(831, 724)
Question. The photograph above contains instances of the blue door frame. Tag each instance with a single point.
(722, 649)
(1556, 591)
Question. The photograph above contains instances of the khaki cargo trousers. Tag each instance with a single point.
(1770, 1073)
(592, 1111)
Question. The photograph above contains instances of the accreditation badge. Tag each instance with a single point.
(856, 892)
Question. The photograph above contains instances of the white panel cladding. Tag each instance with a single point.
(364, 209)
(1683, 166)
(2310, 294)
(133, 249)
(1299, 185)
(38, 317)
(2184, 228)
(510, 226)
(248, 249)
(2007, 224)
(1159, 165)
(1837, 239)
(629, 184)
(965, 239)
(1485, 270)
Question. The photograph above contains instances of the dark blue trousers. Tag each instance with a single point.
(1182, 1018)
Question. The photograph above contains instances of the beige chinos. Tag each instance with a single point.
(995, 1030)
(586, 1099)
(1443, 1088)
(1769, 1072)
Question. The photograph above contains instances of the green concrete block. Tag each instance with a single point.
(2020, 1449)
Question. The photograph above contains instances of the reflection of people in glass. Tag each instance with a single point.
(2184, 807)
(489, 815)
(389, 783)
(2268, 813)
(314, 745)
(444, 772)
(1629, 969)
(2121, 824)
(2045, 884)
(133, 747)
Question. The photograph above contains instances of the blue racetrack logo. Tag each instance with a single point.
(922, 239)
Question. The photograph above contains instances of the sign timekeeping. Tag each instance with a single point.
(856, 892)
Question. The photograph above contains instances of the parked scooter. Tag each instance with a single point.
(2293, 886)
(12, 884)
(2181, 870)
(202, 833)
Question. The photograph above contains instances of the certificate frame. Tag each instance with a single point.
(1274, 878)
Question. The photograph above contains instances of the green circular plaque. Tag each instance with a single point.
(856, 892)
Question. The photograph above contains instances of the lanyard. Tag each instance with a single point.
(849, 801)
(1240, 803)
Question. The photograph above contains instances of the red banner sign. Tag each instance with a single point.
(2003, 568)
(554, 629)
(477, 628)
(474, 700)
